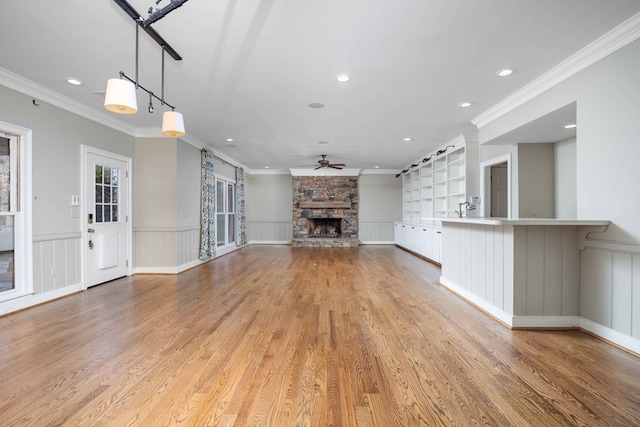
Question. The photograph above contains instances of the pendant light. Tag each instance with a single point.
(121, 96)
(172, 121)
(172, 124)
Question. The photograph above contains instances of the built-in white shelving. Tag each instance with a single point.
(435, 189)
(432, 190)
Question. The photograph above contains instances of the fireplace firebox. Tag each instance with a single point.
(325, 227)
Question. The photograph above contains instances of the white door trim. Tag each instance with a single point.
(85, 151)
(485, 183)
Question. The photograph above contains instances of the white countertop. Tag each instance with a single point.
(521, 221)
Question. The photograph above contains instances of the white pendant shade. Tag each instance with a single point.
(121, 97)
(172, 124)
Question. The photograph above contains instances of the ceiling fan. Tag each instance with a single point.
(324, 163)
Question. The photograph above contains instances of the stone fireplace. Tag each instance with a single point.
(325, 211)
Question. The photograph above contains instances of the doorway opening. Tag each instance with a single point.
(495, 187)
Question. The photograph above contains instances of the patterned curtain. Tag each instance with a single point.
(207, 207)
(240, 209)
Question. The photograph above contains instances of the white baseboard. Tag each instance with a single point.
(549, 322)
(492, 310)
(374, 242)
(546, 322)
(270, 242)
(608, 334)
(27, 301)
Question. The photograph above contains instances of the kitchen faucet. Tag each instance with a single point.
(468, 206)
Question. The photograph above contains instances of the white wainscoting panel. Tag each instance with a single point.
(56, 261)
(375, 232)
(269, 232)
(188, 246)
(166, 250)
(474, 257)
(610, 287)
(155, 248)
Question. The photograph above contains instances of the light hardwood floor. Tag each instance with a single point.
(280, 336)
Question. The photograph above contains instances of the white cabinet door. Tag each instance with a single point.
(437, 244)
(425, 241)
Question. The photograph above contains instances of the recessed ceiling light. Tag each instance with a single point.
(465, 104)
(406, 139)
(266, 167)
(229, 139)
(323, 142)
(343, 78)
(571, 126)
(74, 81)
(316, 105)
(504, 73)
(377, 167)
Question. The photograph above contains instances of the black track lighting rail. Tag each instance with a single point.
(124, 4)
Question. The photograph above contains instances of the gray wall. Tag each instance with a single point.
(380, 204)
(57, 136)
(167, 203)
(565, 173)
(536, 194)
(269, 207)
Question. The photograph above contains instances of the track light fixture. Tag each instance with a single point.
(121, 93)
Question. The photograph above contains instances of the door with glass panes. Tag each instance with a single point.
(106, 216)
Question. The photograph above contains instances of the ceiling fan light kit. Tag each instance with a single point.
(324, 163)
(120, 96)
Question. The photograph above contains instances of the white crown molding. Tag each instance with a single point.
(268, 171)
(612, 41)
(41, 93)
(378, 172)
(325, 172)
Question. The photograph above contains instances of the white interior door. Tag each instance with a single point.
(106, 213)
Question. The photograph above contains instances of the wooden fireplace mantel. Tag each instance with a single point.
(324, 205)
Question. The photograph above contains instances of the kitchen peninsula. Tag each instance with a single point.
(524, 272)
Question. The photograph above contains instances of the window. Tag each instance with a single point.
(107, 195)
(15, 231)
(225, 212)
(8, 184)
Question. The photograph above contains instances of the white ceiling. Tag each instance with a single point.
(251, 67)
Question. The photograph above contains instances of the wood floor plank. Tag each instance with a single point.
(281, 336)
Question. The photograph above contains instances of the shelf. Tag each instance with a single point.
(324, 205)
(456, 178)
(457, 161)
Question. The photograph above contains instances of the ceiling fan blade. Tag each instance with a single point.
(338, 164)
(317, 167)
(335, 166)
